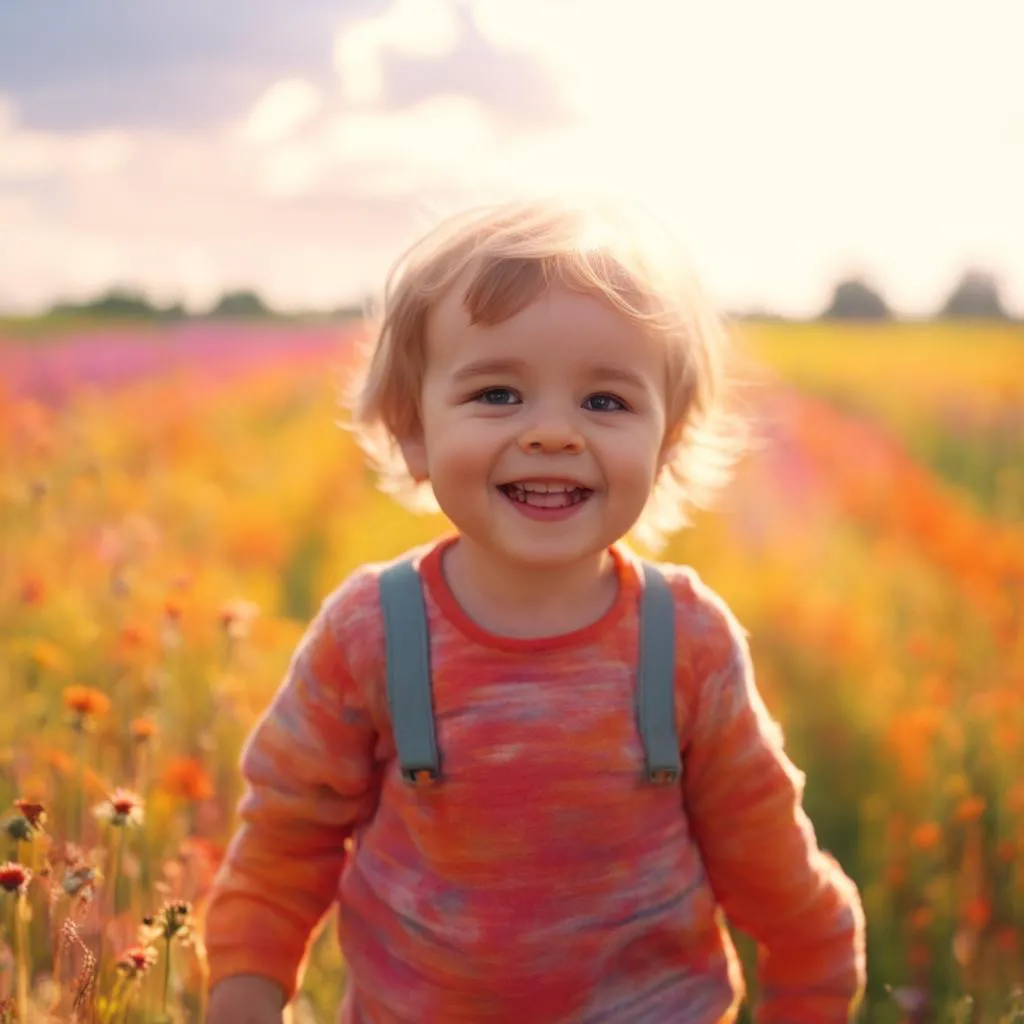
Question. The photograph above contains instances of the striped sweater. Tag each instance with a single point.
(543, 880)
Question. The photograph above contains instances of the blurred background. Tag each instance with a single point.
(196, 202)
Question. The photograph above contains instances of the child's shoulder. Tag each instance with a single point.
(705, 624)
(352, 608)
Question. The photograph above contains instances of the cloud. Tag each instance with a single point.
(422, 48)
(755, 131)
(188, 65)
(282, 110)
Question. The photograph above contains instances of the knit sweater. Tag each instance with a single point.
(544, 879)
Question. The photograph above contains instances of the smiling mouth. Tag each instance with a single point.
(540, 495)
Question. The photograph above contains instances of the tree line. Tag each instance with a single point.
(975, 296)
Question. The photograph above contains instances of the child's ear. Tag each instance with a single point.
(414, 453)
(669, 450)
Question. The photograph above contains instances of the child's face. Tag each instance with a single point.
(567, 397)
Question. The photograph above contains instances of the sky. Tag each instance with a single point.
(189, 148)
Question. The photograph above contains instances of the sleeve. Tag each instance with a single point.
(772, 881)
(309, 773)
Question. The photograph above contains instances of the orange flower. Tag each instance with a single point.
(143, 729)
(85, 702)
(926, 836)
(14, 877)
(186, 778)
(971, 808)
(977, 912)
(134, 639)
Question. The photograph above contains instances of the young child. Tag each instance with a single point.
(552, 379)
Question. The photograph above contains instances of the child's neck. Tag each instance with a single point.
(516, 600)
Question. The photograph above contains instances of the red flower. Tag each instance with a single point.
(34, 813)
(14, 877)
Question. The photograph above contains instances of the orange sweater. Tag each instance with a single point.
(542, 880)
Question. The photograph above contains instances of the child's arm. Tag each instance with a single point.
(310, 777)
(767, 872)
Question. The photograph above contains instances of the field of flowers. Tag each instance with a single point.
(174, 506)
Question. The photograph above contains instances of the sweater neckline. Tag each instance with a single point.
(432, 573)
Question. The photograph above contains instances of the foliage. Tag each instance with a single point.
(165, 537)
(856, 300)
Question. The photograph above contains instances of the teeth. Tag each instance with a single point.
(543, 487)
(553, 495)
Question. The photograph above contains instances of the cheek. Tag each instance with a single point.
(461, 451)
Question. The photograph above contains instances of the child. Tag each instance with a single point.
(552, 844)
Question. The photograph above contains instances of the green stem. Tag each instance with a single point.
(167, 974)
(79, 812)
(115, 882)
(23, 955)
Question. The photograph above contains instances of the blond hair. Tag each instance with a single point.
(510, 254)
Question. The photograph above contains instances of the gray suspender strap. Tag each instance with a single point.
(409, 690)
(408, 672)
(656, 678)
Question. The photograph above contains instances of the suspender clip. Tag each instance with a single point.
(420, 777)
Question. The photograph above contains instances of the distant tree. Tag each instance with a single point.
(976, 296)
(120, 303)
(240, 305)
(854, 299)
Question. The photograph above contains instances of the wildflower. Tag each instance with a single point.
(186, 778)
(123, 807)
(236, 618)
(18, 828)
(143, 729)
(136, 961)
(14, 877)
(85, 704)
(34, 813)
(172, 923)
(971, 808)
(171, 633)
(80, 880)
(134, 640)
(926, 836)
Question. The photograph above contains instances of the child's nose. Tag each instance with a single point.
(551, 438)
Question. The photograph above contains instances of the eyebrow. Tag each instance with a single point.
(497, 367)
(488, 367)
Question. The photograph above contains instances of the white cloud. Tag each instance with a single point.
(33, 155)
(285, 107)
(424, 28)
(788, 142)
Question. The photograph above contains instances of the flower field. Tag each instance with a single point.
(175, 504)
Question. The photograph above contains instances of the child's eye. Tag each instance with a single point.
(497, 396)
(603, 403)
